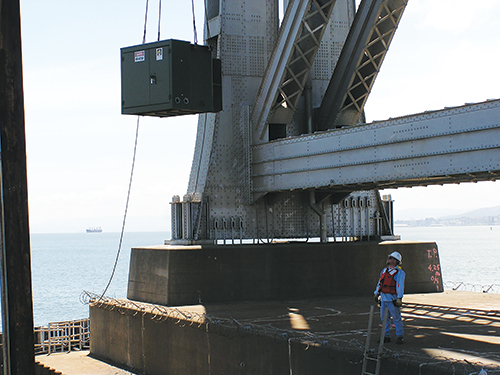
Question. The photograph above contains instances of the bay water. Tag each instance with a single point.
(468, 254)
(64, 265)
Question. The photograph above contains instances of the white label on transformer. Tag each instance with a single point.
(139, 56)
(159, 54)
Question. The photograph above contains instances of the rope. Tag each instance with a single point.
(133, 165)
(159, 19)
(125, 214)
(194, 23)
(145, 22)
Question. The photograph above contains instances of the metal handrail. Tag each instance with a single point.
(63, 336)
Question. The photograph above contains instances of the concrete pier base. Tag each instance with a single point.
(234, 321)
(184, 275)
(445, 333)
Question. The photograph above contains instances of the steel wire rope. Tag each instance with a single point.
(133, 163)
(194, 23)
(145, 22)
(159, 19)
(126, 210)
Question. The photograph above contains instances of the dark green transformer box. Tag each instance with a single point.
(170, 78)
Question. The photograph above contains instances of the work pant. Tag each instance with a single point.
(395, 313)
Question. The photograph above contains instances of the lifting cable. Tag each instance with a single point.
(136, 138)
(159, 19)
(125, 214)
(133, 163)
(194, 23)
(145, 22)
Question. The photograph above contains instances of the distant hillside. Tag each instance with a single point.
(480, 212)
(422, 213)
(481, 216)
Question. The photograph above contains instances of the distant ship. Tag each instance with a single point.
(94, 230)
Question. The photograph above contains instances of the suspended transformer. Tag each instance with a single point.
(170, 78)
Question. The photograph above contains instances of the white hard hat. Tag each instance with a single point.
(397, 256)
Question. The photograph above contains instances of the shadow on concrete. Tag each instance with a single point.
(443, 335)
(453, 333)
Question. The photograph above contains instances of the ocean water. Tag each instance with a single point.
(64, 265)
(468, 254)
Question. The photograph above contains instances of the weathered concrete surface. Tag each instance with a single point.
(183, 275)
(314, 336)
(79, 363)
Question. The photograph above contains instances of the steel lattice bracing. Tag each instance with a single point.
(317, 185)
(364, 51)
(218, 203)
(286, 76)
(448, 146)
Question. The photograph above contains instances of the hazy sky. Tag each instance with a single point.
(80, 147)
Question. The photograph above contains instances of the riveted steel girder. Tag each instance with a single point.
(447, 146)
(286, 75)
(359, 63)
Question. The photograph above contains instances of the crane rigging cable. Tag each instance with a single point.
(136, 138)
(145, 22)
(133, 164)
(125, 214)
(159, 19)
(194, 23)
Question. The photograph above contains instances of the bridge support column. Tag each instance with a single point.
(321, 213)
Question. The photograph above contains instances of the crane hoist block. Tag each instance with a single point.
(170, 78)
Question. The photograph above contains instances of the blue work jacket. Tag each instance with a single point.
(400, 286)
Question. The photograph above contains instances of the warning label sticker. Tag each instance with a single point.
(159, 54)
(139, 56)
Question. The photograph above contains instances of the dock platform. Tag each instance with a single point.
(451, 332)
(79, 363)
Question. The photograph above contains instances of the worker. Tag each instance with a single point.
(389, 293)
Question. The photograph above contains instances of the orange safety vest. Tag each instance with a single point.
(387, 282)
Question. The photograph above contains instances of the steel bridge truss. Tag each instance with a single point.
(460, 144)
(358, 66)
(286, 76)
(248, 185)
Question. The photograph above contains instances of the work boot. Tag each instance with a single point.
(400, 340)
(386, 339)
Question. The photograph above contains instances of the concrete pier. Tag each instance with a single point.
(186, 275)
(234, 320)
(445, 333)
